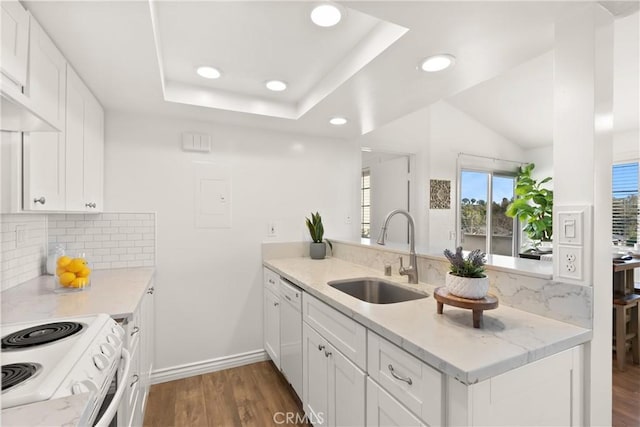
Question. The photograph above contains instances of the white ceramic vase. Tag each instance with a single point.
(467, 287)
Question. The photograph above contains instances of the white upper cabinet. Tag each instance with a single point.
(94, 155)
(44, 152)
(43, 159)
(84, 147)
(47, 77)
(15, 39)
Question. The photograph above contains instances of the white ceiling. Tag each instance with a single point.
(112, 45)
(281, 44)
(518, 104)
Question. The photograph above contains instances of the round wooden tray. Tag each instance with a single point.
(489, 302)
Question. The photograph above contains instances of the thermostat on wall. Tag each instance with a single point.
(196, 142)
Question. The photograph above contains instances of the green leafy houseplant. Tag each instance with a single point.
(471, 266)
(533, 205)
(316, 230)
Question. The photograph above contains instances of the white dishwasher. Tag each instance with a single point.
(291, 334)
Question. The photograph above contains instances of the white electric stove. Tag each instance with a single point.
(61, 357)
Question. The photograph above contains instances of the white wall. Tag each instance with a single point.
(542, 157)
(626, 146)
(209, 281)
(453, 132)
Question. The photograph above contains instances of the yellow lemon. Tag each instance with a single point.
(66, 278)
(60, 270)
(63, 261)
(85, 272)
(80, 282)
(76, 265)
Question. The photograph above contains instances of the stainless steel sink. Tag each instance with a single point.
(375, 291)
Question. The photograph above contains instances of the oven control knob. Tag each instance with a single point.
(118, 331)
(112, 339)
(100, 361)
(107, 350)
(83, 387)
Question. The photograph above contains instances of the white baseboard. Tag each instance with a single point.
(207, 366)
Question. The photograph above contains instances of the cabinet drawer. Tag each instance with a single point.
(271, 280)
(291, 294)
(345, 334)
(384, 410)
(414, 383)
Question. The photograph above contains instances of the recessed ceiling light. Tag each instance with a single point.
(326, 15)
(208, 72)
(437, 63)
(338, 121)
(276, 85)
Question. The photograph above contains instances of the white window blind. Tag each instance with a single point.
(625, 203)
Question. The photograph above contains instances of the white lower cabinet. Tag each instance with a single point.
(140, 342)
(384, 410)
(272, 326)
(547, 392)
(333, 387)
(351, 376)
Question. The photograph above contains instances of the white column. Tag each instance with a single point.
(582, 151)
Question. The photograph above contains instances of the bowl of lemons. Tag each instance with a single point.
(72, 274)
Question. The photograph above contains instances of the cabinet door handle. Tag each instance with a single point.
(41, 200)
(327, 353)
(398, 377)
(136, 378)
(320, 347)
(275, 304)
(135, 330)
(90, 205)
(151, 290)
(287, 297)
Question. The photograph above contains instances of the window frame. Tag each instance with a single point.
(637, 190)
(517, 231)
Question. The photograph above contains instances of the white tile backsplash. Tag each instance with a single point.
(24, 260)
(108, 240)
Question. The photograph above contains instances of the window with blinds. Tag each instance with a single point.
(625, 203)
(365, 203)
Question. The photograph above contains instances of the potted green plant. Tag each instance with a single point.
(317, 248)
(533, 205)
(466, 278)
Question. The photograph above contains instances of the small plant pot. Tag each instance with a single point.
(467, 287)
(317, 250)
(545, 246)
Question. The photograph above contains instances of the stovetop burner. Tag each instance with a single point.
(17, 373)
(41, 334)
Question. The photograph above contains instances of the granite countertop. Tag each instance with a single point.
(509, 339)
(116, 292)
(67, 411)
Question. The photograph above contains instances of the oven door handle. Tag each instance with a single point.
(113, 406)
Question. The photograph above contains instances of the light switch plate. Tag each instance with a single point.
(570, 228)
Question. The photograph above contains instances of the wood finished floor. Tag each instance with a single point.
(250, 396)
(245, 396)
(626, 395)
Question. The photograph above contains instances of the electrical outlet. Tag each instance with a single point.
(570, 262)
(272, 229)
(21, 235)
(347, 220)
